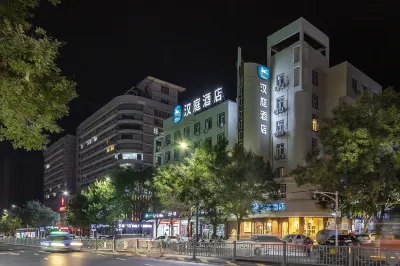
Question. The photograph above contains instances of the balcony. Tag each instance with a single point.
(280, 133)
(280, 110)
(280, 157)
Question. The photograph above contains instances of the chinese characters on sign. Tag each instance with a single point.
(263, 108)
(262, 208)
(206, 101)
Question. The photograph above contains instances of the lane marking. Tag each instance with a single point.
(36, 254)
(181, 259)
(204, 260)
(100, 255)
(149, 265)
(22, 251)
(46, 258)
(15, 254)
(120, 259)
(44, 252)
(231, 263)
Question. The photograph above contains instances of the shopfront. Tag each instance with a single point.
(166, 227)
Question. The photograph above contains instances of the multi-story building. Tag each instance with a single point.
(182, 135)
(293, 92)
(122, 132)
(59, 170)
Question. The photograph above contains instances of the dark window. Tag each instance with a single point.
(164, 101)
(196, 144)
(220, 137)
(279, 102)
(187, 152)
(280, 172)
(197, 129)
(221, 119)
(240, 114)
(365, 88)
(208, 124)
(176, 154)
(167, 156)
(158, 122)
(280, 125)
(240, 135)
(314, 143)
(315, 101)
(240, 101)
(315, 123)
(177, 135)
(168, 139)
(280, 149)
(126, 136)
(165, 90)
(296, 54)
(354, 84)
(282, 191)
(280, 80)
(315, 78)
(208, 142)
(296, 81)
(186, 132)
(240, 124)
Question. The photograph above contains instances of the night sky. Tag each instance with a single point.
(112, 45)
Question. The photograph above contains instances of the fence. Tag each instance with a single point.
(266, 252)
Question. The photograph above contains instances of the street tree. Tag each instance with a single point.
(360, 156)
(246, 179)
(35, 214)
(77, 212)
(34, 94)
(9, 222)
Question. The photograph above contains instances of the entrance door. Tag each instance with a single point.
(285, 229)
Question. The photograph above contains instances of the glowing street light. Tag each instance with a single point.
(107, 178)
(14, 206)
(65, 193)
(183, 145)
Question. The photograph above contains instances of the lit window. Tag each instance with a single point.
(81, 145)
(132, 156)
(110, 148)
(315, 123)
(94, 138)
(280, 171)
(47, 196)
(221, 119)
(47, 166)
(53, 194)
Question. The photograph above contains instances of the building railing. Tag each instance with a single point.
(280, 157)
(276, 252)
(280, 133)
(280, 110)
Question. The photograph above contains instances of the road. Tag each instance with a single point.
(11, 255)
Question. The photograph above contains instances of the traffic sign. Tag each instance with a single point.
(93, 227)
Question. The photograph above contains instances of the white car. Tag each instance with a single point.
(366, 238)
(298, 239)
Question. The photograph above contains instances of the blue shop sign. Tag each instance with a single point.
(263, 72)
(177, 115)
(258, 208)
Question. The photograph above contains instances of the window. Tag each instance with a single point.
(240, 135)
(53, 194)
(196, 144)
(279, 102)
(208, 124)
(126, 136)
(241, 114)
(221, 119)
(176, 154)
(186, 132)
(315, 101)
(282, 191)
(47, 196)
(315, 123)
(280, 149)
(280, 80)
(165, 90)
(280, 172)
(168, 139)
(354, 85)
(197, 129)
(161, 113)
(296, 81)
(240, 124)
(132, 156)
(240, 101)
(315, 78)
(110, 148)
(187, 152)
(167, 156)
(158, 122)
(164, 101)
(220, 137)
(314, 143)
(208, 142)
(296, 54)
(280, 125)
(177, 135)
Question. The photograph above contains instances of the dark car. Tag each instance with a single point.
(344, 240)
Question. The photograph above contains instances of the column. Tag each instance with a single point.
(301, 225)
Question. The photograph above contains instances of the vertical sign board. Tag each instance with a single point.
(264, 114)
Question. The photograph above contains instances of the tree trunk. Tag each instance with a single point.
(188, 226)
(214, 236)
(239, 221)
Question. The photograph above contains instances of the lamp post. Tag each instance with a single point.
(336, 200)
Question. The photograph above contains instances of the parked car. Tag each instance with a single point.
(298, 239)
(366, 238)
(344, 240)
(323, 235)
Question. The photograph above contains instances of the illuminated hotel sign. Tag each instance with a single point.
(263, 72)
(263, 108)
(262, 208)
(198, 104)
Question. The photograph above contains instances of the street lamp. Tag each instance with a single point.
(65, 193)
(107, 178)
(337, 213)
(183, 145)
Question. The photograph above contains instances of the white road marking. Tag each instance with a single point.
(100, 255)
(10, 249)
(46, 258)
(3, 253)
(22, 251)
(15, 254)
(120, 259)
(149, 264)
(44, 252)
(36, 254)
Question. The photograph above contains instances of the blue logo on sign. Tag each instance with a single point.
(263, 72)
(177, 116)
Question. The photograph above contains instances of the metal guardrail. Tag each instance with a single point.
(265, 252)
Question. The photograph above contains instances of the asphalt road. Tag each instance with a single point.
(11, 255)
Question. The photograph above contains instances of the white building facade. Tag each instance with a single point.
(59, 171)
(122, 132)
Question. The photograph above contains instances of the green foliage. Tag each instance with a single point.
(33, 92)
(77, 215)
(9, 222)
(35, 214)
(359, 159)
(102, 206)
